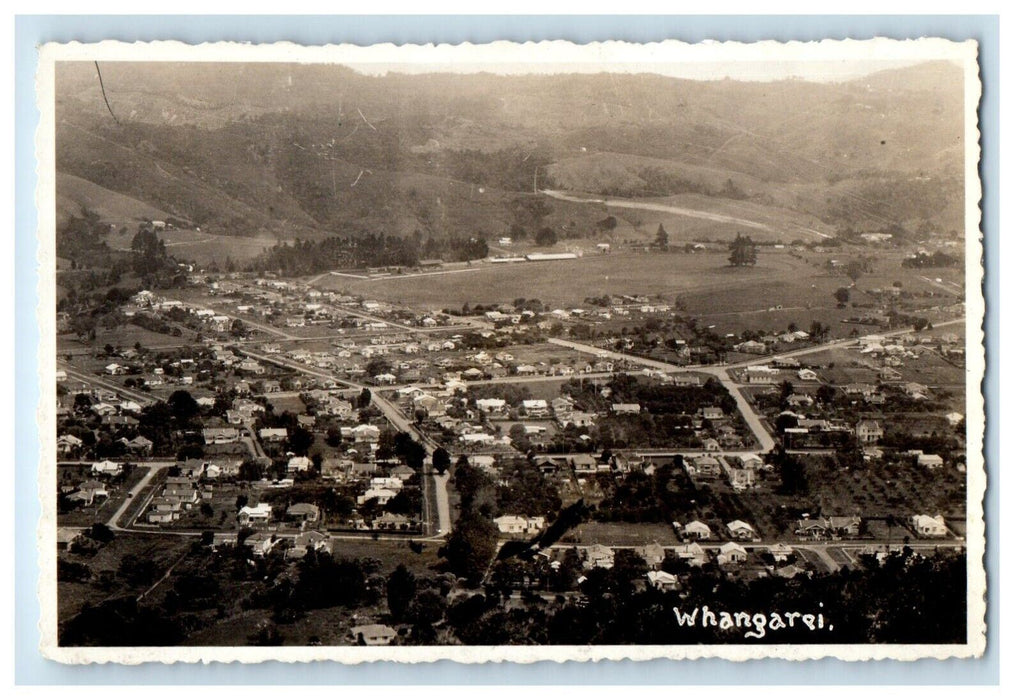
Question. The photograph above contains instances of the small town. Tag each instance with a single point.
(560, 427)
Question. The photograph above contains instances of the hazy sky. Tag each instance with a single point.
(823, 71)
(819, 61)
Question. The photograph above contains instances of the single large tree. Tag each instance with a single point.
(441, 460)
(182, 405)
(661, 238)
(743, 251)
(546, 236)
(400, 591)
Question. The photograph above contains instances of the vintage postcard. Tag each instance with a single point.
(511, 352)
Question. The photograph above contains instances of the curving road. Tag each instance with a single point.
(664, 208)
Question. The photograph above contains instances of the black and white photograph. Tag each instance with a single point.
(511, 352)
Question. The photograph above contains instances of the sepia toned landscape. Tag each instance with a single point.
(351, 357)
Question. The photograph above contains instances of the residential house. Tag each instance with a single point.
(273, 434)
(597, 556)
(432, 406)
(403, 472)
(535, 407)
(845, 525)
(162, 517)
(625, 408)
(711, 413)
(930, 461)
(929, 526)
(220, 436)
(662, 581)
(261, 544)
(386, 482)
(138, 444)
(251, 367)
(868, 432)
(365, 433)
(703, 466)
(392, 521)
(310, 538)
(491, 405)
(68, 444)
(106, 468)
(653, 554)
(751, 347)
(580, 419)
(739, 477)
(741, 530)
(691, 553)
(519, 525)
(750, 461)
(255, 515)
(306, 513)
(812, 528)
(382, 496)
(298, 464)
(696, 530)
(732, 553)
(373, 635)
(224, 540)
(781, 552)
(67, 538)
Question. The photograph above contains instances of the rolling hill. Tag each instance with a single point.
(311, 150)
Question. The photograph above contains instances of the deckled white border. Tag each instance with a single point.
(544, 56)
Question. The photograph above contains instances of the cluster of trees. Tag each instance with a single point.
(416, 602)
(660, 183)
(403, 445)
(937, 259)
(305, 257)
(150, 251)
(524, 491)
(80, 240)
(472, 543)
(666, 496)
(907, 600)
(654, 397)
(514, 169)
(367, 250)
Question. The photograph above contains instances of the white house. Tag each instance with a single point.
(255, 515)
(741, 530)
(535, 407)
(662, 581)
(298, 464)
(373, 635)
(732, 553)
(697, 530)
(382, 496)
(519, 525)
(106, 467)
(929, 526)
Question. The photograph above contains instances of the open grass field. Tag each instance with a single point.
(569, 282)
(200, 246)
(390, 553)
(124, 336)
(623, 534)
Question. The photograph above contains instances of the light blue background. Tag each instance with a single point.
(31, 668)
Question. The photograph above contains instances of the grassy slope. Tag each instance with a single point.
(75, 194)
